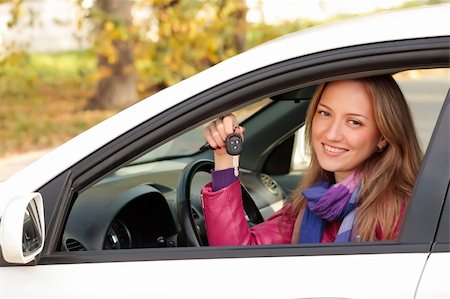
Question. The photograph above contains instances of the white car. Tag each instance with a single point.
(115, 212)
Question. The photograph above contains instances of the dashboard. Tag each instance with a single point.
(139, 217)
(136, 207)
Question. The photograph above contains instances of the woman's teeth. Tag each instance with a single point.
(334, 149)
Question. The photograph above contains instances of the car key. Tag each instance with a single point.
(233, 144)
(234, 147)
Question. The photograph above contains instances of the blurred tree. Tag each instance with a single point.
(186, 37)
(114, 44)
(164, 41)
(143, 46)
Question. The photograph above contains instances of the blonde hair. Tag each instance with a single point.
(388, 176)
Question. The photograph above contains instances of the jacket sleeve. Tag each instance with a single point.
(226, 224)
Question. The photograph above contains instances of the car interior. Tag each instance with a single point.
(154, 201)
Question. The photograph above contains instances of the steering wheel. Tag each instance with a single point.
(188, 225)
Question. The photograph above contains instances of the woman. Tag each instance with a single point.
(364, 162)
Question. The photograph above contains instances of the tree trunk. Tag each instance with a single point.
(117, 89)
(241, 25)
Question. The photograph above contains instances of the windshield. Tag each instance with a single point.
(190, 142)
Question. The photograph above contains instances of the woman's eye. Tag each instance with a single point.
(323, 113)
(354, 122)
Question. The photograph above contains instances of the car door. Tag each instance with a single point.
(435, 279)
(378, 269)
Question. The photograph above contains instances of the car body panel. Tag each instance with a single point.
(282, 277)
(435, 280)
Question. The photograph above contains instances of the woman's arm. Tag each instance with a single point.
(226, 224)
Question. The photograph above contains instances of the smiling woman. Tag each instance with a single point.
(376, 135)
(352, 190)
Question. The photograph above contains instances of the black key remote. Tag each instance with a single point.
(234, 144)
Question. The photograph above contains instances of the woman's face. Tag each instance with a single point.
(344, 132)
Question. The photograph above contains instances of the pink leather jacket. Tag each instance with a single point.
(226, 224)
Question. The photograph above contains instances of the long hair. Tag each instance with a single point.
(388, 176)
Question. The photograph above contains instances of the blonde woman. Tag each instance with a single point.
(364, 161)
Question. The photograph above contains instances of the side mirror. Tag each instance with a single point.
(22, 229)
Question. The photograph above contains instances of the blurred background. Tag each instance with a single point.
(66, 65)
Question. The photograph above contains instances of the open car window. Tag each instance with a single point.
(136, 205)
(424, 91)
(190, 142)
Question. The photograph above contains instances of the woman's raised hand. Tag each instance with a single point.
(216, 133)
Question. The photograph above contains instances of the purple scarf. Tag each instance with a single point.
(327, 203)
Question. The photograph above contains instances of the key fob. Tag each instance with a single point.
(234, 144)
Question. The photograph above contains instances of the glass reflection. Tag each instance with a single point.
(32, 235)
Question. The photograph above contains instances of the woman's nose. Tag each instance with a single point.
(334, 131)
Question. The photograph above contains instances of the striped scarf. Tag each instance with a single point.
(327, 203)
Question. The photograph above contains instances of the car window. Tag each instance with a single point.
(114, 212)
(136, 205)
(424, 91)
(188, 143)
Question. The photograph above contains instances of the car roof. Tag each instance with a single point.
(426, 21)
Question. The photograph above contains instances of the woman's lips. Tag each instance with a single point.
(332, 150)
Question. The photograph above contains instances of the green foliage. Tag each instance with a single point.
(21, 73)
(181, 38)
(42, 96)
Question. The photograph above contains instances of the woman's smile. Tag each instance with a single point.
(333, 150)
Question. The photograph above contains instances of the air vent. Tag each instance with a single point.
(269, 183)
(74, 245)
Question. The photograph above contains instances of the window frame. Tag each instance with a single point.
(349, 62)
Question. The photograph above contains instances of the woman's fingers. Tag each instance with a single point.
(207, 135)
(230, 123)
(217, 131)
(217, 135)
(212, 136)
(221, 130)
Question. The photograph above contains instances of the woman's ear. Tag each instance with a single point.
(382, 143)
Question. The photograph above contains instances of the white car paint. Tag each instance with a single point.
(391, 276)
(434, 286)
